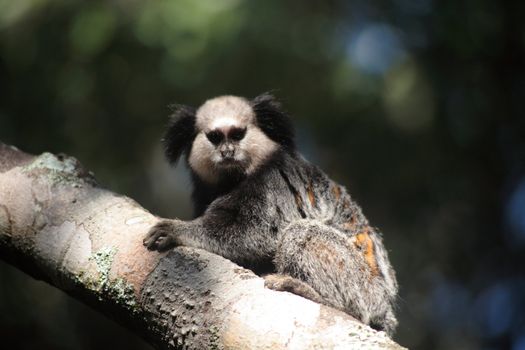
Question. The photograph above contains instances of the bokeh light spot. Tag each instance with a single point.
(494, 310)
(449, 303)
(408, 98)
(92, 30)
(375, 48)
(13, 11)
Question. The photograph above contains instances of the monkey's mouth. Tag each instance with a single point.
(228, 162)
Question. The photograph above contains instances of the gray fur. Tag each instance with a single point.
(287, 214)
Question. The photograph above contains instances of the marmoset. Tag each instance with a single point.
(259, 203)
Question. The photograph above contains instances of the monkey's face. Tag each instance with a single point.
(228, 141)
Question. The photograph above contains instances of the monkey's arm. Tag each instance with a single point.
(227, 241)
(241, 226)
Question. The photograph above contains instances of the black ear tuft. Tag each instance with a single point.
(273, 121)
(180, 133)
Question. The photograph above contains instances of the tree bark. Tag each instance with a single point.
(57, 224)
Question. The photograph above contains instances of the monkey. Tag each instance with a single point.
(259, 203)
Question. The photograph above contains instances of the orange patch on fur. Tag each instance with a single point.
(311, 195)
(336, 190)
(365, 243)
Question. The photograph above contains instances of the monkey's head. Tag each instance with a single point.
(228, 136)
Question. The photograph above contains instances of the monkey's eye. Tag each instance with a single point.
(215, 137)
(237, 134)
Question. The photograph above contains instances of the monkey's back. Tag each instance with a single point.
(315, 196)
(331, 243)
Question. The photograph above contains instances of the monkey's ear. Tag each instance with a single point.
(273, 121)
(180, 133)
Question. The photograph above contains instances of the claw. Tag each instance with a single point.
(159, 237)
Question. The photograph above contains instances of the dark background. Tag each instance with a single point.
(415, 106)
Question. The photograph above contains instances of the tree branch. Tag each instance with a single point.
(59, 225)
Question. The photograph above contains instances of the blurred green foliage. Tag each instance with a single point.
(416, 106)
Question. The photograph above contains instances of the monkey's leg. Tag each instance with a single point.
(345, 275)
(284, 283)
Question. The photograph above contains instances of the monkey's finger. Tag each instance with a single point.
(152, 237)
(164, 243)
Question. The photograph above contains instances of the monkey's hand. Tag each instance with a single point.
(162, 236)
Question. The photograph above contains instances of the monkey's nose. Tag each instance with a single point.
(227, 151)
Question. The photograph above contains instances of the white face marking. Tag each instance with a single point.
(200, 160)
(250, 153)
(223, 122)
